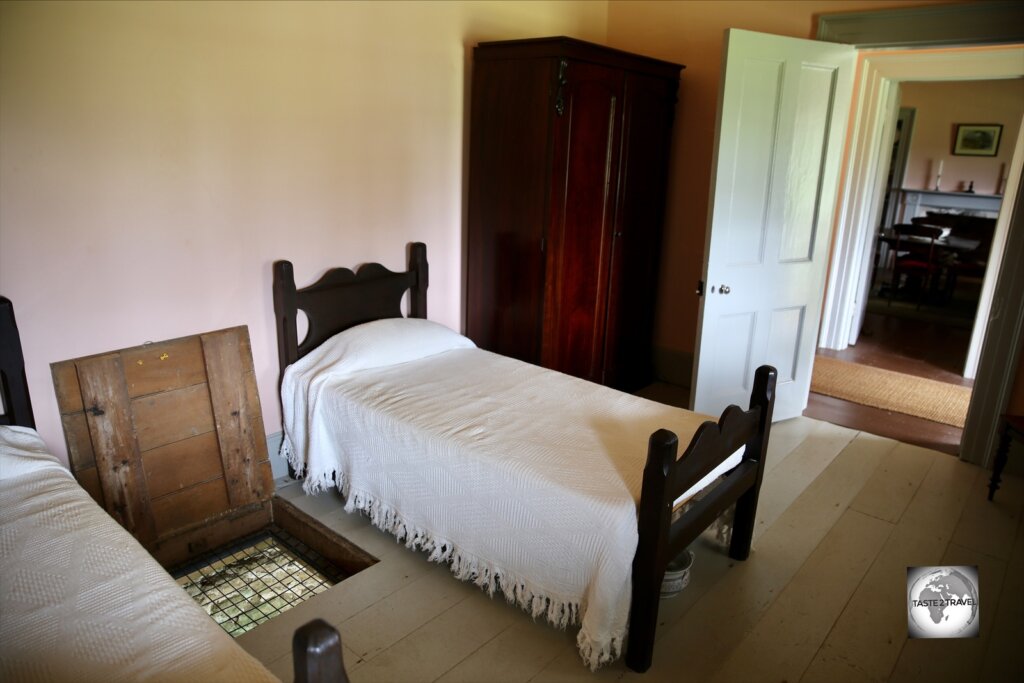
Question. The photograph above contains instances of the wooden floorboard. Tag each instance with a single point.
(822, 597)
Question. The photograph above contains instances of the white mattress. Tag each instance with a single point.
(527, 480)
(81, 600)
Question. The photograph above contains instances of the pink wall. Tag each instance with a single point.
(156, 158)
(940, 106)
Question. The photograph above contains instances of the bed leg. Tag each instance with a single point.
(316, 654)
(743, 525)
(762, 396)
(654, 517)
(643, 621)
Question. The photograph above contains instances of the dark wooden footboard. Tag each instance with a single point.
(666, 478)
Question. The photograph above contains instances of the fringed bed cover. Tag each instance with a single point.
(81, 600)
(525, 480)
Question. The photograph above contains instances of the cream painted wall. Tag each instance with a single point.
(940, 106)
(692, 33)
(156, 158)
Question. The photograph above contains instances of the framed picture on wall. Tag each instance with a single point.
(977, 139)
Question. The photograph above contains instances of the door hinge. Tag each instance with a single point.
(700, 288)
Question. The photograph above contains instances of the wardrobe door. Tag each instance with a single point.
(584, 185)
(509, 184)
(633, 282)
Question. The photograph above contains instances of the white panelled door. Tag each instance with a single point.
(781, 129)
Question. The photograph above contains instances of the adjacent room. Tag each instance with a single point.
(393, 341)
(922, 316)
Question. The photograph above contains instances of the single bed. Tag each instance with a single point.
(80, 599)
(528, 482)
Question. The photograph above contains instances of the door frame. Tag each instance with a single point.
(876, 109)
(880, 75)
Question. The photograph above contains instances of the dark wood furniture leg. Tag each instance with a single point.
(17, 406)
(316, 654)
(1010, 427)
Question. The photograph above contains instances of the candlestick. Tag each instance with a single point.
(938, 177)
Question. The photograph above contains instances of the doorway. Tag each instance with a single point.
(918, 319)
(882, 75)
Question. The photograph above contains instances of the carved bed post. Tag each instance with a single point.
(317, 655)
(13, 384)
(761, 396)
(418, 292)
(284, 307)
(654, 516)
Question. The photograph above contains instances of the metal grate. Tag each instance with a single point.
(256, 578)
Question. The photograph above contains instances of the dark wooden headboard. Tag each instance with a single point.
(13, 383)
(343, 298)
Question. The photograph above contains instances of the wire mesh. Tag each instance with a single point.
(256, 578)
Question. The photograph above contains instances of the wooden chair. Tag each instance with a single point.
(915, 256)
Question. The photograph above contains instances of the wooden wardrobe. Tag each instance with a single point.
(569, 150)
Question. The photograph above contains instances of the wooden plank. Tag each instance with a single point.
(181, 464)
(391, 619)
(894, 483)
(78, 440)
(252, 395)
(187, 544)
(89, 479)
(109, 416)
(783, 643)
(433, 649)
(960, 659)
(172, 416)
(163, 366)
(338, 550)
(1002, 658)
(190, 506)
(65, 385)
(352, 596)
(229, 359)
(866, 640)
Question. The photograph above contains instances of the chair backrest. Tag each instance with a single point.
(942, 220)
(930, 232)
(922, 232)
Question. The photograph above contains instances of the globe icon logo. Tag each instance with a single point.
(942, 602)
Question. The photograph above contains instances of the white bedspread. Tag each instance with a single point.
(527, 480)
(81, 600)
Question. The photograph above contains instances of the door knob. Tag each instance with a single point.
(724, 289)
